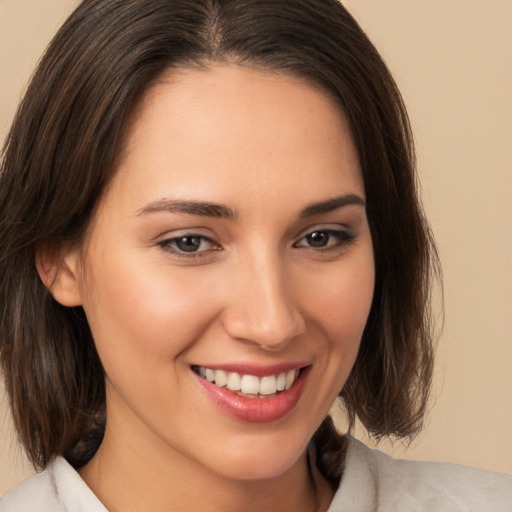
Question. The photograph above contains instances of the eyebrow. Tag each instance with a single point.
(332, 204)
(206, 209)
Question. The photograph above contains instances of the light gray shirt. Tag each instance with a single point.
(372, 482)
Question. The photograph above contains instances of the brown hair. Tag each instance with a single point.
(62, 148)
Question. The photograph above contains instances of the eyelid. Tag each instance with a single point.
(323, 227)
(343, 234)
(173, 234)
(166, 242)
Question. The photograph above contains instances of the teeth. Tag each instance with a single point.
(290, 379)
(234, 382)
(249, 384)
(281, 382)
(268, 385)
(220, 378)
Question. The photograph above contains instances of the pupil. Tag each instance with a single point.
(318, 239)
(189, 243)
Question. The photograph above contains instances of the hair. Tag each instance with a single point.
(62, 149)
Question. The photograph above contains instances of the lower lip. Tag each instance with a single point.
(256, 410)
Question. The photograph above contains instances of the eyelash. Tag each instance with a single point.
(342, 238)
(167, 245)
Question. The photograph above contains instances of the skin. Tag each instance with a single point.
(266, 146)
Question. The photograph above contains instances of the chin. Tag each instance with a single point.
(259, 461)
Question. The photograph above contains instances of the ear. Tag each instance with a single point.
(58, 269)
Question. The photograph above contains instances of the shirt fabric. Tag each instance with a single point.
(372, 482)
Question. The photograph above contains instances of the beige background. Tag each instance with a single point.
(452, 60)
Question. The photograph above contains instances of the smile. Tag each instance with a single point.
(249, 386)
(271, 394)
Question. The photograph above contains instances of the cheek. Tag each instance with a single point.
(343, 303)
(338, 307)
(144, 313)
(341, 311)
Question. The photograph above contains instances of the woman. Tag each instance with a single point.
(211, 230)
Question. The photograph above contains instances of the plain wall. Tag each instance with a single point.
(452, 61)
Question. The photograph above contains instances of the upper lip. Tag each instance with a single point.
(255, 369)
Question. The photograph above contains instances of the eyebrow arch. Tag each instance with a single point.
(204, 209)
(332, 204)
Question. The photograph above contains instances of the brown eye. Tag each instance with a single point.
(188, 243)
(325, 239)
(193, 245)
(318, 239)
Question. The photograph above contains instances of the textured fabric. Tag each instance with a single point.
(57, 489)
(375, 482)
(372, 482)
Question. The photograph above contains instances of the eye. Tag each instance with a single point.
(188, 245)
(325, 239)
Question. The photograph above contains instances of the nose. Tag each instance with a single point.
(262, 308)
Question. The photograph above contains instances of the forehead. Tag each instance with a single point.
(229, 126)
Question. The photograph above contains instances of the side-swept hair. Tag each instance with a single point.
(62, 148)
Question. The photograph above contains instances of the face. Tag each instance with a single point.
(229, 271)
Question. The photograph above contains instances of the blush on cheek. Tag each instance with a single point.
(346, 303)
(163, 324)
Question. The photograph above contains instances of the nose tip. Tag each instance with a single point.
(263, 312)
(271, 332)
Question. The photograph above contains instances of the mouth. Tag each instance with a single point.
(255, 395)
(250, 386)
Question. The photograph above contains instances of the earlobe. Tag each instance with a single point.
(58, 270)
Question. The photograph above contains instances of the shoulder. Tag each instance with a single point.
(378, 482)
(58, 488)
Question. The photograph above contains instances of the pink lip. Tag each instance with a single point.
(255, 410)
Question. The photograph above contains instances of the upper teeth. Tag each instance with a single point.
(250, 384)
